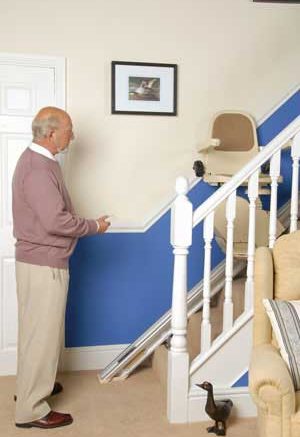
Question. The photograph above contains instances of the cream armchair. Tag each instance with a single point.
(277, 276)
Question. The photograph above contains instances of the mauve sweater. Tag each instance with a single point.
(45, 224)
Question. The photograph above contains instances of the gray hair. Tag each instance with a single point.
(42, 126)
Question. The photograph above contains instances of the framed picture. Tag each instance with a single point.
(276, 1)
(143, 88)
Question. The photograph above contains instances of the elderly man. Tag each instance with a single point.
(46, 229)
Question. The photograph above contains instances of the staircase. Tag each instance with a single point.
(218, 337)
(223, 359)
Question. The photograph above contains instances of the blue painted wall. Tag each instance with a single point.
(121, 283)
(243, 381)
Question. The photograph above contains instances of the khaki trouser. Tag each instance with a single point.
(42, 293)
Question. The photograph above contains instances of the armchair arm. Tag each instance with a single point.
(271, 385)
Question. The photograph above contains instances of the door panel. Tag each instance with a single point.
(24, 89)
(12, 146)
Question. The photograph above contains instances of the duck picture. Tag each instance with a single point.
(219, 411)
(141, 89)
(144, 88)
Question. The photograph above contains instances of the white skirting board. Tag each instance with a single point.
(75, 358)
(243, 406)
(89, 358)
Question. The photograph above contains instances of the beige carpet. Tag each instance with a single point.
(132, 408)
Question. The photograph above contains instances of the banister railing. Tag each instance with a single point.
(182, 222)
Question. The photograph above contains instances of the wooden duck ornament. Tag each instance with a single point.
(219, 411)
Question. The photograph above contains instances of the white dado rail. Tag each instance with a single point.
(183, 219)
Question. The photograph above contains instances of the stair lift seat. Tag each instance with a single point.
(233, 143)
(277, 276)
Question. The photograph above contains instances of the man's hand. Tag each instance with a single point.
(103, 224)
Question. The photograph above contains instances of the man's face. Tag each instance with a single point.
(64, 134)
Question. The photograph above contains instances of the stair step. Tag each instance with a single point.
(160, 365)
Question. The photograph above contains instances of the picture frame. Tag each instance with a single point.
(143, 88)
(277, 1)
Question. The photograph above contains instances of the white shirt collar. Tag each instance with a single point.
(41, 150)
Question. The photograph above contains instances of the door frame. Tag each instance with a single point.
(57, 63)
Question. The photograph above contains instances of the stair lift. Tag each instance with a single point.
(232, 144)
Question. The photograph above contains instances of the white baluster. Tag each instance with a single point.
(178, 359)
(228, 305)
(208, 233)
(252, 195)
(295, 152)
(274, 173)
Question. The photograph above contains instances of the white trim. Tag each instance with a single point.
(238, 338)
(57, 62)
(243, 406)
(242, 321)
(77, 358)
(89, 358)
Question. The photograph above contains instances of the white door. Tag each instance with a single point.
(25, 87)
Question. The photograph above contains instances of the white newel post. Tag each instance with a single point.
(178, 359)
(274, 173)
(252, 195)
(295, 152)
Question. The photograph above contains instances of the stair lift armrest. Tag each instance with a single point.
(211, 144)
(271, 384)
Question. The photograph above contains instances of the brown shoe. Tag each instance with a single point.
(56, 389)
(52, 420)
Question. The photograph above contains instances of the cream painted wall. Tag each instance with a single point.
(231, 54)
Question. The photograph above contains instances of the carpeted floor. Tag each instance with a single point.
(132, 408)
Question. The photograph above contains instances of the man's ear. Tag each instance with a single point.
(51, 135)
